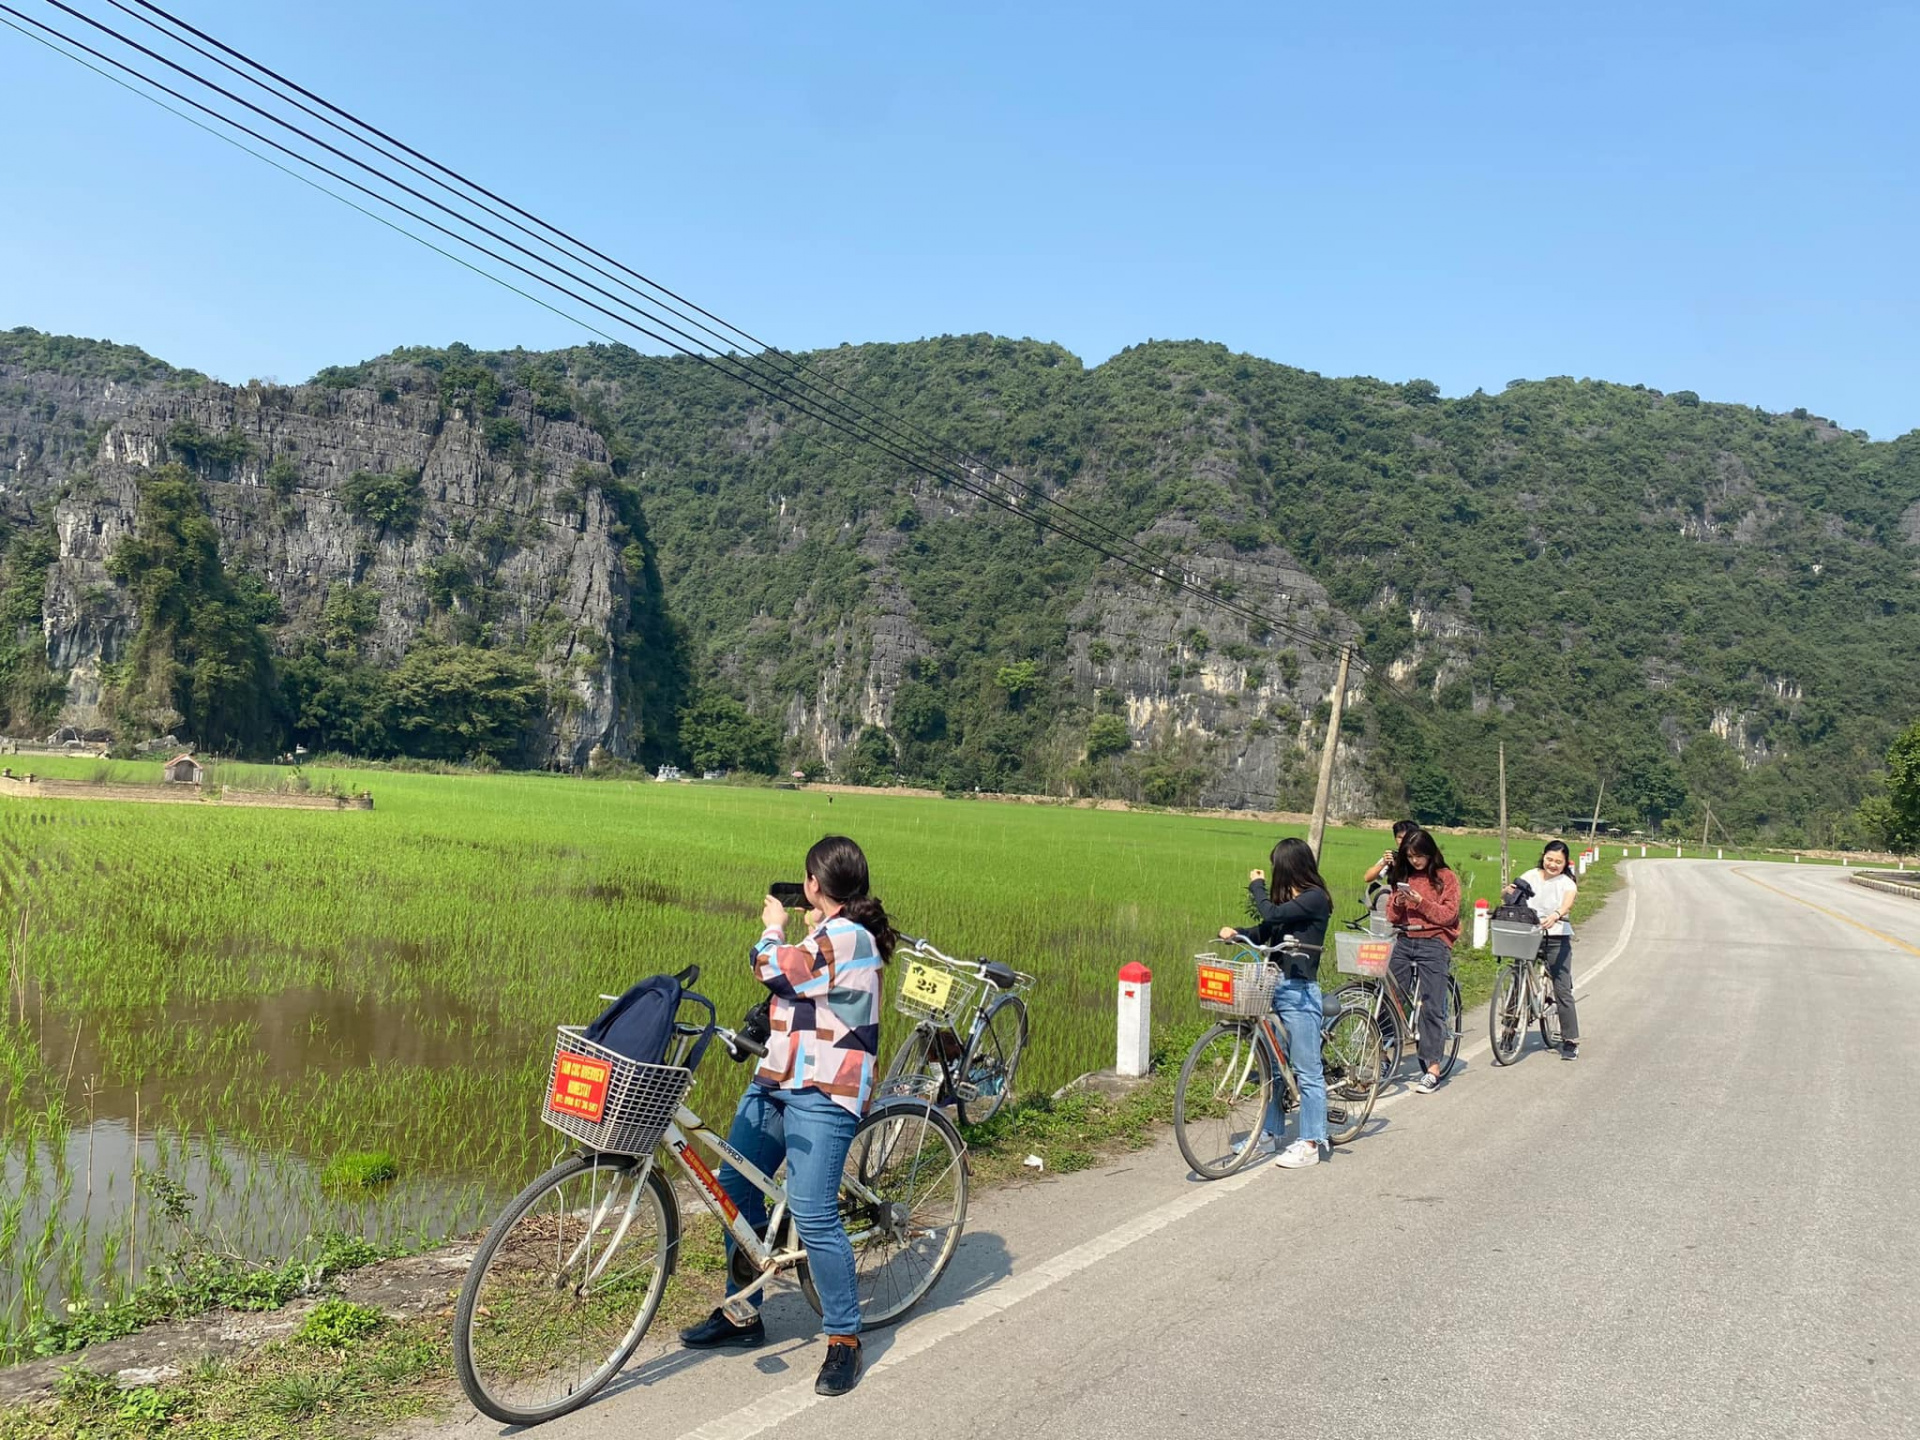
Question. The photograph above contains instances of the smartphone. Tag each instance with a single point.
(789, 893)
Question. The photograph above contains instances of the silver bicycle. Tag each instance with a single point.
(985, 1000)
(567, 1281)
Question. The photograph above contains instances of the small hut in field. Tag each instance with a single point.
(184, 770)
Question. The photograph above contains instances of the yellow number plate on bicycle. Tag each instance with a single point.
(1216, 984)
(927, 986)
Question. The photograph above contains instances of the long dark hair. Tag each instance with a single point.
(1565, 854)
(839, 867)
(1295, 871)
(1419, 841)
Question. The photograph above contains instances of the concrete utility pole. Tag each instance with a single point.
(1323, 793)
(1593, 828)
(1503, 815)
(1704, 824)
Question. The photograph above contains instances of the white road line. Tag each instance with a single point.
(762, 1415)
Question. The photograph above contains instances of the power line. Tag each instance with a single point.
(743, 369)
(795, 365)
(857, 425)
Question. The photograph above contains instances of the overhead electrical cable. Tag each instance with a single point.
(853, 417)
(796, 365)
(734, 366)
(1150, 560)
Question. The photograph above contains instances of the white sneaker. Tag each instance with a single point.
(1299, 1155)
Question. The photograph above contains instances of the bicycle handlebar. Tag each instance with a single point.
(1297, 946)
(738, 1046)
(920, 942)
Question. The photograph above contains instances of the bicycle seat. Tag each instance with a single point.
(999, 974)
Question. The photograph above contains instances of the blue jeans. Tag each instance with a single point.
(1297, 1003)
(812, 1134)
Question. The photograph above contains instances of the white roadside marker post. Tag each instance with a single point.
(1136, 1019)
(1482, 924)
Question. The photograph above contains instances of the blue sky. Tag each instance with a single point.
(1712, 196)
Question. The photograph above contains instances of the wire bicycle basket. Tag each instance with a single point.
(932, 989)
(1515, 939)
(1358, 954)
(1235, 987)
(607, 1102)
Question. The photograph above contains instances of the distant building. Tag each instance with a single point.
(667, 773)
(185, 770)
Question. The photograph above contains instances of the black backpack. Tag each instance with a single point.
(639, 1025)
(1519, 910)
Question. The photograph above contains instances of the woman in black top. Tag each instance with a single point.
(1298, 908)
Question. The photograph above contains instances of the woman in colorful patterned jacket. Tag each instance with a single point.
(811, 1090)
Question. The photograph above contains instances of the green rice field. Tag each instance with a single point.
(246, 1003)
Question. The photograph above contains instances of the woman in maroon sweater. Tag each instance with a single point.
(1427, 905)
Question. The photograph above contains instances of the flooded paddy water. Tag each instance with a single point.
(206, 1007)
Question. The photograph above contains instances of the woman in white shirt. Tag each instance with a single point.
(1554, 892)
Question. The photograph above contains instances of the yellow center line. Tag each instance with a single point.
(1832, 914)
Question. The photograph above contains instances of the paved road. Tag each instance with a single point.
(1704, 1227)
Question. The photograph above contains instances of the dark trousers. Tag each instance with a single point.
(1560, 971)
(1428, 960)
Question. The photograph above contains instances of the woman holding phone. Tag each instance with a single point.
(806, 1099)
(1425, 904)
(1297, 907)
(1380, 875)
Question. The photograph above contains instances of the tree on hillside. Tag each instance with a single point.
(199, 664)
(719, 733)
(459, 702)
(1903, 790)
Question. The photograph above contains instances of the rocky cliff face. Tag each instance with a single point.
(514, 543)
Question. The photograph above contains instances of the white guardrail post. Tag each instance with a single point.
(1136, 1019)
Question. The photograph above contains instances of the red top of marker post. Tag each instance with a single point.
(1480, 904)
(1134, 973)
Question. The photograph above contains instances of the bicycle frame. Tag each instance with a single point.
(688, 1129)
(950, 1078)
(1268, 1030)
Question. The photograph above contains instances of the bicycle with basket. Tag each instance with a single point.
(1221, 1100)
(1364, 950)
(1523, 992)
(983, 998)
(569, 1277)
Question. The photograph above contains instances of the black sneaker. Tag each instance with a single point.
(717, 1332)
(1570, 1052)
(840, 1371)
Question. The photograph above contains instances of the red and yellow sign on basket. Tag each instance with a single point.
(579, 1085)
(1370, 957)
(1216, 984)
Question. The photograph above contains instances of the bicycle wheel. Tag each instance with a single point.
(563, 1287)
(1350, 1059)
(1220, 1100)
(915, 1069)
(903, 1199)
(1455, 1018)
(986, 1071)
(1507, 1015)
(1370, 999)
(1549, 1012)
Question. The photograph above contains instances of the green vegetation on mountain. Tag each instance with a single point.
(200, 662)
(89, 359)
(1697, 606)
